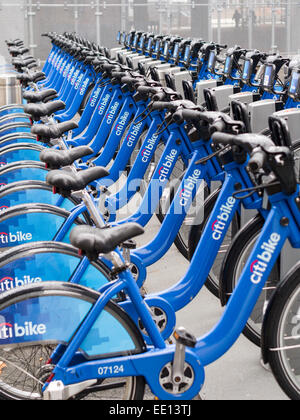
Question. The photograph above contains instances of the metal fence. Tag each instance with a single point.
(262, 24)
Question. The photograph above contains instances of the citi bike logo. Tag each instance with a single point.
(14, 330)
(59, 64)
(165, 169)
(74, 77)
(66, 70)
(9, 283)
(70, 76)
(79, 80)
(134, 133)
(220, 223)
(3, 164)
(61, 70)
(121, 124)
(94, 97)
(84, 86)
(9, 238)
(111, 113)
(103, 104)
(259, 266)
(147, 151)
(189, 186)
(50, 57)
(3, 208)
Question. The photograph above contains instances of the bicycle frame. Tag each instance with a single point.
(210, 347)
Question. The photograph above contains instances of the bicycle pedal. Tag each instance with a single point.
(182, 336)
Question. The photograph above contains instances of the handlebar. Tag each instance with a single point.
(160, 106)
(257, 161)
(265, 155)
(248, 141)
(146, 90)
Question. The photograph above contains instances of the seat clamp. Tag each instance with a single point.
(119, 265)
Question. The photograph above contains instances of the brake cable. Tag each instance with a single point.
(252, 190)
(148, 110)
(207, 158)
(159, 132)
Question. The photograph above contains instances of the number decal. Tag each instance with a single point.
(111, 370)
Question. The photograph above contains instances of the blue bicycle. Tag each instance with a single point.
(97, 348)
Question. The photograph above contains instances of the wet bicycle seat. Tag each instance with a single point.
(46, 132)
(16, 51)
(42, 110)
(64, 182)
(26, 78)
(56, 159)
(40, 96)
(19, 62)
(14, 42)
(94, 241)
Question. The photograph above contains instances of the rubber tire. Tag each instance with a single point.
(228, 281)
(86, 294)
(270, 338)
(196, 233)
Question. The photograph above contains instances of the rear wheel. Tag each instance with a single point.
(213, 280)
(234, 264)
(193, 217)
(281, 336)
(24, 369)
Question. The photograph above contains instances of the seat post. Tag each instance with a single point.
(92, 209)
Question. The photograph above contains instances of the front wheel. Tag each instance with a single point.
(25, 366)
(234, 263)
(213, 280)
(281, 334)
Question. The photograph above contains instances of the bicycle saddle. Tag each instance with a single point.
(40, 96)
(56, 159)
(19, 62)
(47, 132)
(15, 51)
(94, 241)
(42, 110)
(14, 43)
(64, 181)
(26, 78)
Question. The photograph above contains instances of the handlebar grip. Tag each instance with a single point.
(127, 80)
(163, 105)
(118, 74)
(223, 138)
(257, 161)
(110, 67)
(190, 114)
(147, 89)
(217, 127)
(159, 97)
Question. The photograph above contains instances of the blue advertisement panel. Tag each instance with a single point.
(12, 140)
(23, 174)
(47, 266)
(29, 227)
(33, 320)
(19, 155)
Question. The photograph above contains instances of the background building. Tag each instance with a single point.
(262, 24)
